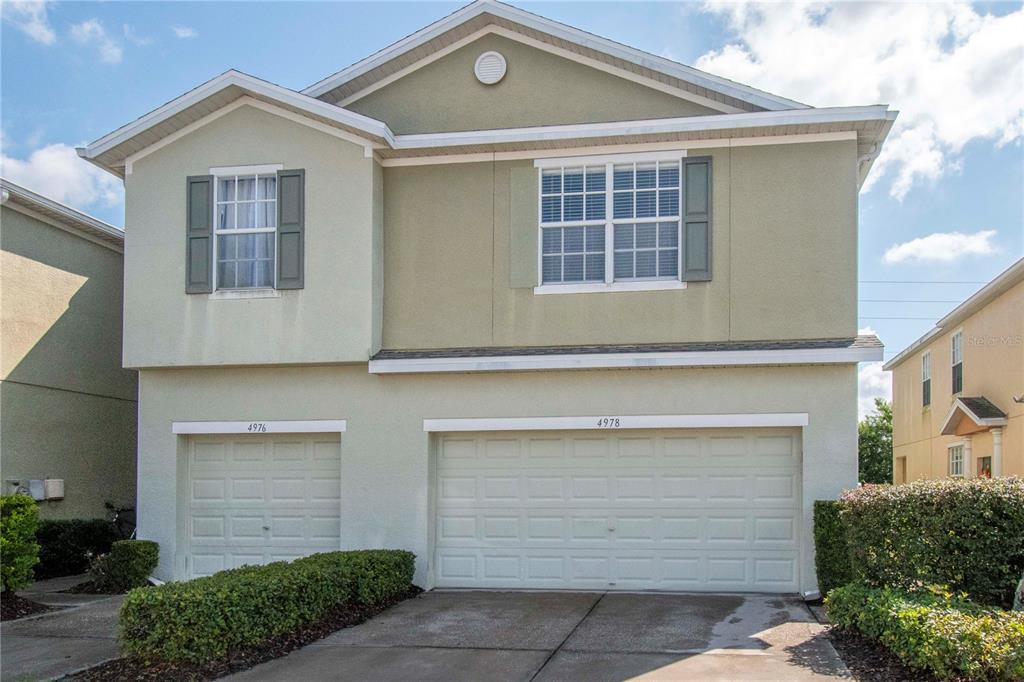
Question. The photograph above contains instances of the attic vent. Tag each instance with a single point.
(489, 68)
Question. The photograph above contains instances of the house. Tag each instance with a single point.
(546, 310)
(67, 408)
(958, 391)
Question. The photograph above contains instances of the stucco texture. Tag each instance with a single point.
(385, 469)
(330, 320)
(784, 265)
(539, 88)
(67, 408)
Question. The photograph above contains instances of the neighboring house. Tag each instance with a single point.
(67, 408)
(958, 391)
(544, 309)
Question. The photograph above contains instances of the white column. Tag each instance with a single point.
(969, 469)
(997, 451)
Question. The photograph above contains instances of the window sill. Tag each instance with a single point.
(601, 287)
(236, 294)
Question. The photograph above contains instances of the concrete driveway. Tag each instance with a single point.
(526, 636)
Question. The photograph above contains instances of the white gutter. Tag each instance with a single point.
(84, 222)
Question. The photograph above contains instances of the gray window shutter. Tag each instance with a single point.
(291, 227)
(199, 234)
(697, 219)
(523, 227)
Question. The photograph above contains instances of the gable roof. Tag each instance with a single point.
(980, 411)
(473, 17)
(61, 216)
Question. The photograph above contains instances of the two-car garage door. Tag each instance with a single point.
(672, 510)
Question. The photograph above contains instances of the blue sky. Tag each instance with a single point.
(945, 201)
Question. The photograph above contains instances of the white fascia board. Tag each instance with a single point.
(515, 363)
(84, 221)
(644, 127)
(250, 84)
(260, 427)
(959, 406)
(911, 349)
(616, 422)
(564, 32)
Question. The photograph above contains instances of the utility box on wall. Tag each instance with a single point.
(53, 488)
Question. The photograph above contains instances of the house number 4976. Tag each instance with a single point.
(608, 423)
(258, 427)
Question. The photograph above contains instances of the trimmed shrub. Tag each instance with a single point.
(66, 546)
(965, 534)
(934, 630)
(19, 551)
(127, 566)
(205, 619)
(831, 554)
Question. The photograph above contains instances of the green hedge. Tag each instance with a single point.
(128, 565)
(19, 551)
(831, 553)
(964, 534)
(205, 619)
(67, 545)
(949, 636)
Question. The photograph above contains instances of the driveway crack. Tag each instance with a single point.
(571, 633)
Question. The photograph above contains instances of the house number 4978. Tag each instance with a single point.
(608, 423)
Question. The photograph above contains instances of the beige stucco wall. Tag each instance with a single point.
(539, 88)
(385, 467)
(67, 408)
(330, 320)
(784, 259)
(993, 355)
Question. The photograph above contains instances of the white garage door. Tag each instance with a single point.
(708, 510)
(257, 499)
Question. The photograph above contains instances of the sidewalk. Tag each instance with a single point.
(50, 645)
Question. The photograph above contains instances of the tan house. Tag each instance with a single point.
(67, 408)
(958, 391)
(549, 311)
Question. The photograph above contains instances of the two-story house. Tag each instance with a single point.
(547, 310)
(958, 391)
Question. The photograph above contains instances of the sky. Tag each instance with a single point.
(941, 214)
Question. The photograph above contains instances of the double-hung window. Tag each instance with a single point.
(926, 379)
(572, 210)
(957, 359)
(956, 460)
(245, 223)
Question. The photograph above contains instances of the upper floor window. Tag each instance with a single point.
(957, 358)
(926, 379)
(619, 222)
(245, 222)
(956, 460)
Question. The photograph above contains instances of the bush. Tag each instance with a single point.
(204, 619)
(67, 545)
(831, 554)
(127, 566)
(18, 547)
(965, 534)
(935, 630)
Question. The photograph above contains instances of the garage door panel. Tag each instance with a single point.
(648, 510)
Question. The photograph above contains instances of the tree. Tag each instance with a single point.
(874, 444)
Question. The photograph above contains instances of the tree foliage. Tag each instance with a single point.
(874, 444)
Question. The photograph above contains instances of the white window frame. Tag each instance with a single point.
(958, 449)
(926, 376)
(956, 357)
(609, 162)
(224, 172)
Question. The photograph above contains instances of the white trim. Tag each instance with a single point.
(84, 226)
(567, 153)
(558, 162)
(604, 288)
(77, 231)
(963, 459)
(665, 421)
(261, 427)
(238, 294)
(558, 30)
(546, 47)
(260, 169)
(513, 363)
(959, 405)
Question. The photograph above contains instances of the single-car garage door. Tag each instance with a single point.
(255, 499)
(707, 510)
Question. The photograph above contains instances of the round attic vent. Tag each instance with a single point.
(489, 68)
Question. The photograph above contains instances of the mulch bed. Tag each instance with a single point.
(134, 669)
(869, 661)
(13, 607)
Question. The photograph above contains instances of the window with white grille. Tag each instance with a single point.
(245, 223)
(956, 460)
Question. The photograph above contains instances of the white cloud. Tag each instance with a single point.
(872, 383)
(941, 247)
(56, 171)
(954, 74)
(134, 38)
(184, 32)
(91, 32)
(31, 19)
